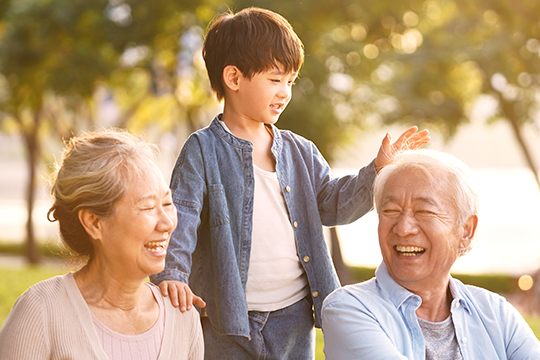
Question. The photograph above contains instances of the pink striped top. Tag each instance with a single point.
(145, 346)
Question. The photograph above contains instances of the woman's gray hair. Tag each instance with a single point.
(94, 174)
(433, 163)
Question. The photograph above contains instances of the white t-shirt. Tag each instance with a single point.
(276, 279)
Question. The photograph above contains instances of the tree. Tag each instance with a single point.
(410, 62)
(55, 53)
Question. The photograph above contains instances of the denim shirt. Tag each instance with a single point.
(213, 186)
(377, 319)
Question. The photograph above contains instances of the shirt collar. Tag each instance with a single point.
(395, 292)
(399, 295)
(223, 131)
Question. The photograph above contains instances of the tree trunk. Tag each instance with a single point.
(32, 148)
(342, 270)
(510, 115)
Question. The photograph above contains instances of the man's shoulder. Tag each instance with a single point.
(476, 294)
(355, 292)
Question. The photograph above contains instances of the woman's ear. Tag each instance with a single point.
(91, 223)
(469, 229)
(231, 77)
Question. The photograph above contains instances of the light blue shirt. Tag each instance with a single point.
(213, 186)
(376, 319)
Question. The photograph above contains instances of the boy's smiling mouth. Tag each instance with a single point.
(276, 106)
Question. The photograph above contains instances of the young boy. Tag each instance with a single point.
(252, 199)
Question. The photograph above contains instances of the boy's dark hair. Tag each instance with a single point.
(254, 40)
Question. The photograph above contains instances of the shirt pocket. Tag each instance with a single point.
(217, 205)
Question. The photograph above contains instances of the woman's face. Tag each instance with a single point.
(135, 238)
(419, 232)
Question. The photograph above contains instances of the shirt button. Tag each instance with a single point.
(288, 188)
(275, 152)
(464, 340)
(457, 304)
(306, 258)
(315, 294)
(295, 224)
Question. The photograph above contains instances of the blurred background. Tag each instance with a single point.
(469, 71)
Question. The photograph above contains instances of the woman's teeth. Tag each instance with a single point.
(156, 246)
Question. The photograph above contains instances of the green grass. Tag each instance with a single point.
(16, 281)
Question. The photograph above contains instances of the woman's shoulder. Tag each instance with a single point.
(51, 287)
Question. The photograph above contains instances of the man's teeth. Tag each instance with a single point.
(155, 246)
(409, 250)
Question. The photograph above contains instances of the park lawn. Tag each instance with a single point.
(16, 281)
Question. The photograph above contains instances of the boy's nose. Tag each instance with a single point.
(284, 92)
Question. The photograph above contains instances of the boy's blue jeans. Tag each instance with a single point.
(283, 334)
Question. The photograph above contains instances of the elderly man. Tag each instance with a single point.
(413, 308)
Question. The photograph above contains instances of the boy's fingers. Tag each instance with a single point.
(188, 301)
(198, 301)
(163, 287)
(174, 295)
(421, 135)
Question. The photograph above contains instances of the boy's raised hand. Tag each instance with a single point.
(181, 295)
(411, 139)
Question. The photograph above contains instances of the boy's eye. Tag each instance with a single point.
(275, 80)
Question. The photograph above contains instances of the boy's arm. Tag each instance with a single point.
(188, 188)
(345, 199)
(181, 295)
(409, 140)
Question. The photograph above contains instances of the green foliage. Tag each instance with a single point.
(16, 281)
(499, 283)
(534, 323)
(360, 273)
(319, 345)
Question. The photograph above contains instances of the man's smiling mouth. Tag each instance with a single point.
(409, 250)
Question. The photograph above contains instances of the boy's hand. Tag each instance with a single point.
(181, 295)
(409, 140)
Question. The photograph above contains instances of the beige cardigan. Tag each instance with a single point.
(52, 321)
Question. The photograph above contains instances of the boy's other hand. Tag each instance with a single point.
(411, 139)
(180, 294)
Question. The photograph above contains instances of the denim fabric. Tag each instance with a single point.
(377, 320)
(213, 186)
(284, 334)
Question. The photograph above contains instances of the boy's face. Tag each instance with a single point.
(264, 97)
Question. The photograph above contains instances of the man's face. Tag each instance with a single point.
(419, 234)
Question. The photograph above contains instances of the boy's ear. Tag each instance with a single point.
(231, 77)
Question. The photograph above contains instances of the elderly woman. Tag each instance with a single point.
(114, 208)
(413, 308)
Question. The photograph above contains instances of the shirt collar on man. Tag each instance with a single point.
(399, 295)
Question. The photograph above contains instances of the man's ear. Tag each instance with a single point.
(469, 229)
(231, 77)
(91, 223)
